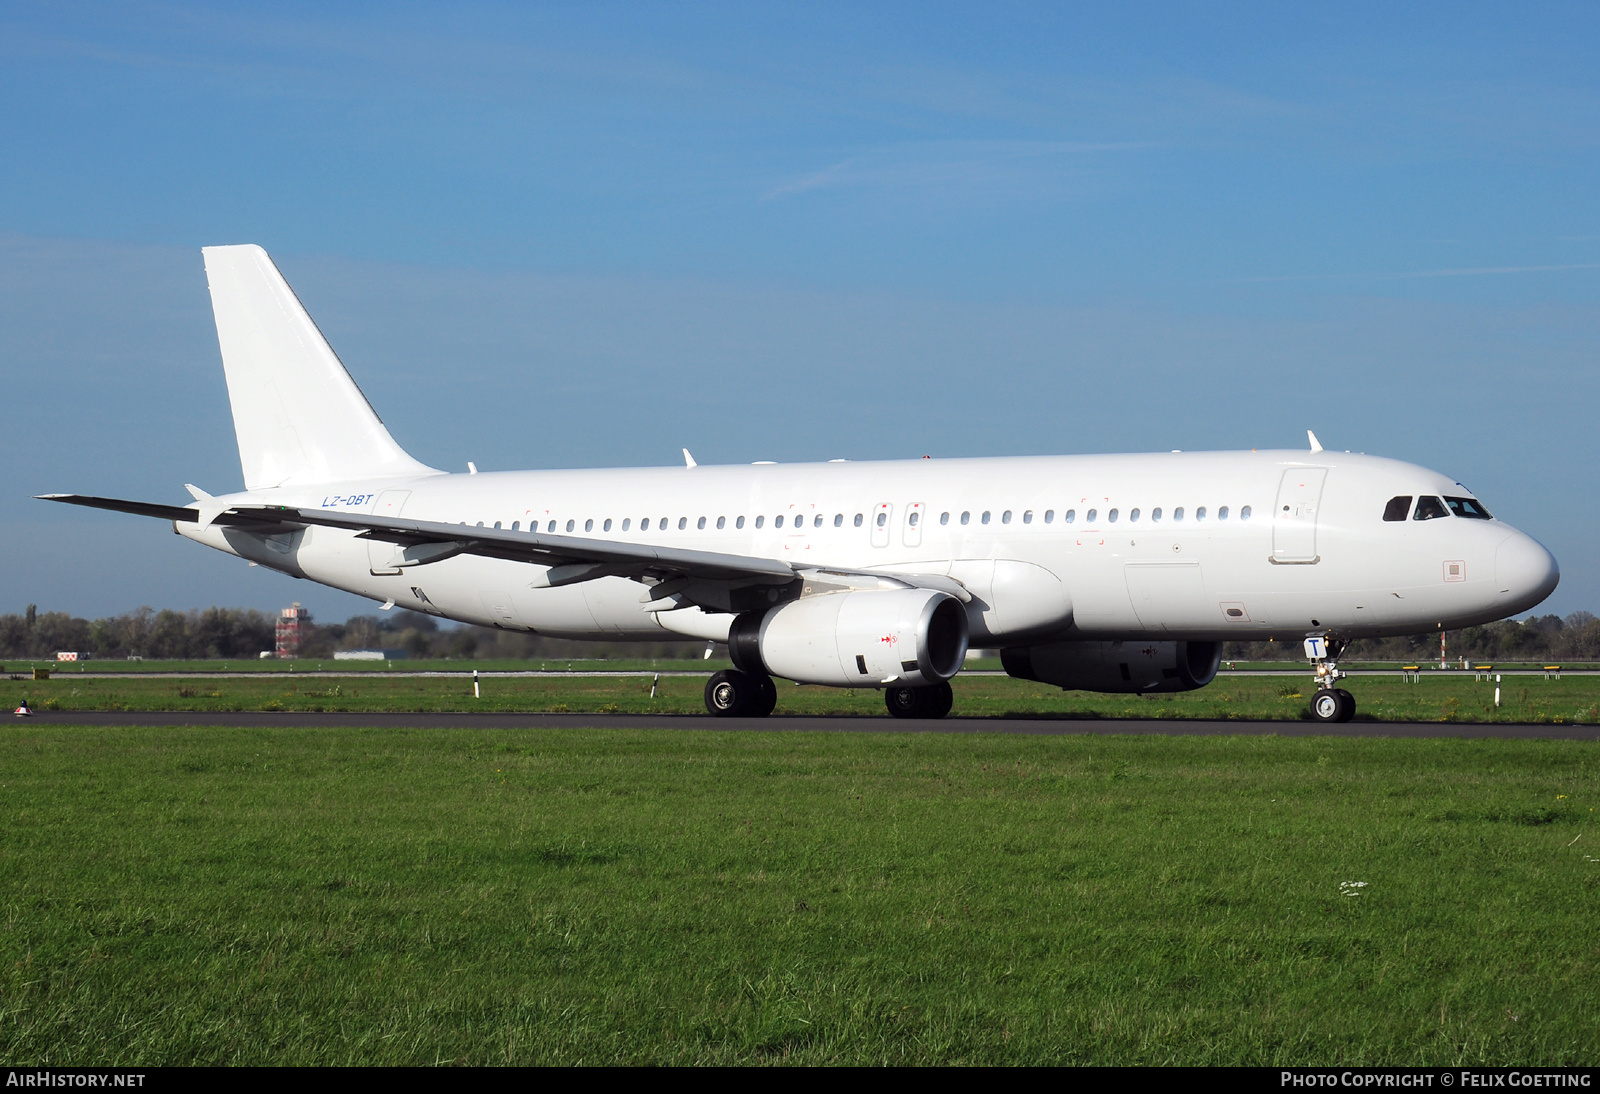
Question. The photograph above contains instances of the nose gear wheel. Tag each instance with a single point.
(1329, 704)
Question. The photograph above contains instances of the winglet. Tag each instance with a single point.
(688, 460)
(1316, 445)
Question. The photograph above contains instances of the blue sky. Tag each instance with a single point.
(567, 235)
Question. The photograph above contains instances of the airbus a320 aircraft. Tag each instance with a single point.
(1100, 573)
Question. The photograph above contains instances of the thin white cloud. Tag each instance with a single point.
(1469, 271)
(953, 164)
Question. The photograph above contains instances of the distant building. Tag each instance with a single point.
(71, 655)
(292, 626)
(370, 655)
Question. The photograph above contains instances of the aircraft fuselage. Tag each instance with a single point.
(1212, 545)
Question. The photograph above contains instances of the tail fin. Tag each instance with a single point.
(298, 415)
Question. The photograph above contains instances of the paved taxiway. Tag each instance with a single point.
(80, 673)
(780, 723)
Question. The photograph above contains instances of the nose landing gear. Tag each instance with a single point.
(1330, 703)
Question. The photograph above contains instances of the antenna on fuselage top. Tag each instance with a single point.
(1316, 445)
(688, 460)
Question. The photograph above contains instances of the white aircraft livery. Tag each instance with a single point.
(1121, 573)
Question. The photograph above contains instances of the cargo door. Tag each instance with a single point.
(498, 606)
(1294, 519)
(1168, 596)
(383, 556)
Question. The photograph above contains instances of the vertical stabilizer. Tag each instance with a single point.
(298, 415)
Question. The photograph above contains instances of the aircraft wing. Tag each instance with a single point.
(550, 550)
(681, 577)
(561, 552)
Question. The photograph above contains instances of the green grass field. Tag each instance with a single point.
(207, 668)
(212, 667)
(1441, 697)
(315, 896)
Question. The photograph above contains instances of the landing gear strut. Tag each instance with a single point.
(734, 694)
(1329, 704)
(929, 702)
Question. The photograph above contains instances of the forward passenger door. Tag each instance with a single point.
(1294, 519)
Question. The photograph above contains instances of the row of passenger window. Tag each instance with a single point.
(1091, 516)
(665, 523)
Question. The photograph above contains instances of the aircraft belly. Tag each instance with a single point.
(562, 611)
(336, 557)
(1170, 595)
(613, 602)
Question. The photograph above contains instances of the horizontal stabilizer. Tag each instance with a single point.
(192, 514)
(138, 508)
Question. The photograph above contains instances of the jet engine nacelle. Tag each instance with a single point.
(1117, 666)
(862, 638)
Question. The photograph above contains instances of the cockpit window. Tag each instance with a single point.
(1398, 508)
(1468, 507)
(1428, 508)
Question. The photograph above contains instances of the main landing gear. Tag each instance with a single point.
(734, 694)
(1329, 704)
(929, 702)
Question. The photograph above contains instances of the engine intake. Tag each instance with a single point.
(1120, 667)
(863, 638)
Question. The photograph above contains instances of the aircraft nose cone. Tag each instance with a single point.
(1525, 573)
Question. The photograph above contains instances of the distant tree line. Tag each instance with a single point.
(215, 632)
(243, 633)
(1547, 638)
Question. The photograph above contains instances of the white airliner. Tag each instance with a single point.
(1102, 573)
